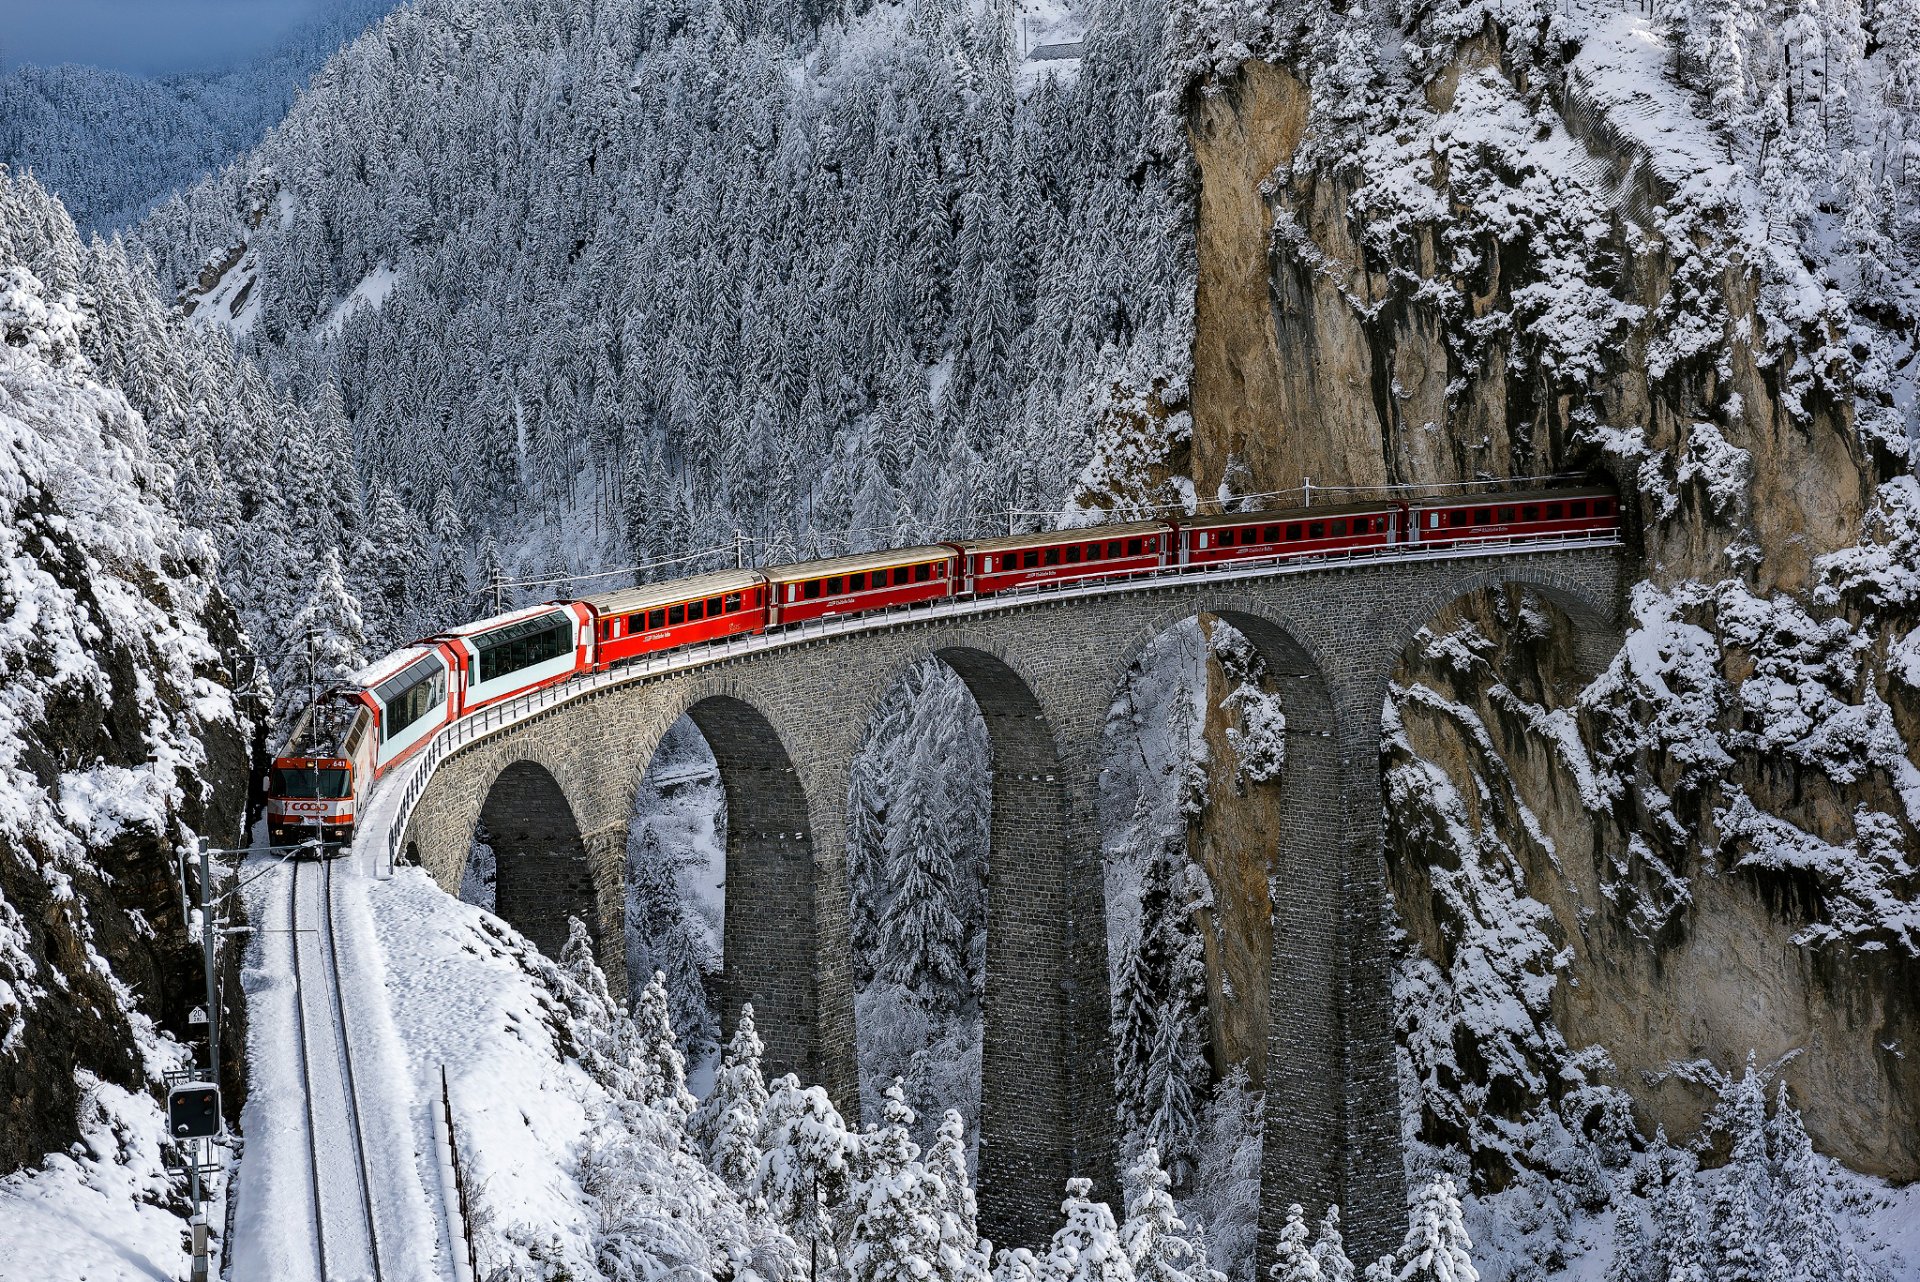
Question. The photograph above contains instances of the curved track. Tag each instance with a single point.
(346, 1245)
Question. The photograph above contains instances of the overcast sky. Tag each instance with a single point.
(147, 37)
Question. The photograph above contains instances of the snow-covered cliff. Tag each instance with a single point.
(121, 739)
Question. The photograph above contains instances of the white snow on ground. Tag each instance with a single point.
(370, 293)
(97, 1213)
(274, 1213)
(460, 1000)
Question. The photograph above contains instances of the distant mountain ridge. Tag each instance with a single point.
(111, 145)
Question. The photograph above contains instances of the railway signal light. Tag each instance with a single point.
(193, 1111)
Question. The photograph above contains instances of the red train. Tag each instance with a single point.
(389, 709)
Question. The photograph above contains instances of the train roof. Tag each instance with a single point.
(1080, 534)
(502, 620)
(1269, 516)
(884, 559)
(1494, 498)
(671, 591)
(382, 668)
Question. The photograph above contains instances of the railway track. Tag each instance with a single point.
(345, 1242)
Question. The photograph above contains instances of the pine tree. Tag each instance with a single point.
(1743, 1195)
(807, 1163)
(1329, 1250)
(1809, 1242)
(328, 640)
(654, 1023)
(896, 1234)
(726, 1127)
(1155, 1239)
(1436, 1248)
(1087, 1247)
(1680, 1251)
(1294, 1260)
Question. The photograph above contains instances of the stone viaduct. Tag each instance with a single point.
(556, 790)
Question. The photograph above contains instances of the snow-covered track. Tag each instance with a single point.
(346, 1243)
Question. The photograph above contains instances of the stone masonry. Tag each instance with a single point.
(557, 793)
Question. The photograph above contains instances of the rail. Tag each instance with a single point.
(500, 716)
(337, 1013)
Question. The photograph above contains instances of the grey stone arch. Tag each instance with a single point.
(1362, 645)
(1587, 595)
(543, 875)
(770, 936)
(1037, 1079)
(1311, 1032)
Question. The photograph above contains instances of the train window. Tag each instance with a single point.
(1531, 512)
(1602, 507)
(676, 615)
(1553, 511)
(1339, 528)
(1293, 530)
(922, 573)
(1271, 534)
(1133, 547)
(1316, 529)
(656, 619)
(811, 590)
(418, 691)
(696, 611)
(1050, 556)
(1073, 556)
(857, 582)
(836, 585)
(1029, 559)
(1093, 551)
(1115, 548)
(1483, 516)
(1577, 508)
(1506, 516)
(524, 644)
(732, 605)
(940, 570)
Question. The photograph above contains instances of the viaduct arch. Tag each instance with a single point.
(785, 720)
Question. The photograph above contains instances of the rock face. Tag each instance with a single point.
(119, 735)
(1703, 850)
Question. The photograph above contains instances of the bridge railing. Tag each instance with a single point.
(508, 712)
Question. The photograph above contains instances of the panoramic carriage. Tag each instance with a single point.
(392, 707)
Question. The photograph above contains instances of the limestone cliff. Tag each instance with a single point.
(1532, 258)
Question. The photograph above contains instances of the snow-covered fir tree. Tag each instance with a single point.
(653, 1021)
(1436, 1248)
(1293, 1256)
(807, 1166)
(1157, 1241)
(1087, 1247)
(727, 1124)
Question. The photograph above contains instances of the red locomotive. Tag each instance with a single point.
(389, 709)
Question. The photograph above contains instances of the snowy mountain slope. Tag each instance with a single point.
(111, 145)
(121, 740)
(1497, 240)
(664, 272)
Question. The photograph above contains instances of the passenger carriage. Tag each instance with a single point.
(857, 584)
(1100, 551)
(1207, 540)
(1507, 516)
(664, 616)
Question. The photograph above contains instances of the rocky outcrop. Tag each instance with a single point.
(1703, 851)
(120, 736)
